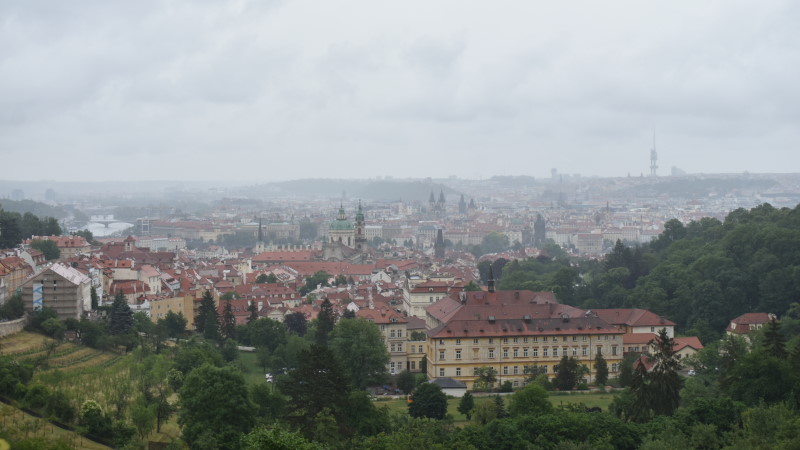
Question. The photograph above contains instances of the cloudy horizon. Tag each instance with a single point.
(251, 90)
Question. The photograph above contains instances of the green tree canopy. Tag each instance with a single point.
(120, 316)
(48, 247)
(466, 405)
(533, 399)
(428, 400)
(358, 345)
(215, 406)
(316, 384)
(601, 370)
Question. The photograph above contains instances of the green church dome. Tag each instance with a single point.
(341, 225)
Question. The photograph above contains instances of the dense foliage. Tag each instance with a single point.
(16, 227)
(700, 275)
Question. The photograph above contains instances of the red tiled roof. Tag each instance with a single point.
(307, 268)
(632, 317)
(382, 316)
(690, 341)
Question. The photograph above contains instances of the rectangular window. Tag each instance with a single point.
(536, 352)
(516, 370)
(399, 346)
(413, 365)
(391, 347)
(574, 351)
(564, 339)
(525, 340)
(613, 367)
(525, 352)
(441, 356)
(613, 350)
(391, 367)
(516, 352)
(505, 353)
(491, 340)
(564, 351)
(516, 383)
(555, 351)
(505, 370)
(544, 338)
(574, 338)
(516, 340)
(599, 350)
(399, 333)
(584, 351)
(458, 354)
(441, 372)
(536, 339)
(583, 338)
(420, 349)
(458, 371)
(555, 368)
(505, 340)
(391, 333)
(458, 341)
(491, 353)
(544, 352)
(544, 369)
(475, 341)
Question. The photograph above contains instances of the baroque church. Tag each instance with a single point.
(346, 240)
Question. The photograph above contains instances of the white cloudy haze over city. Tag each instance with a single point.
(270, 90)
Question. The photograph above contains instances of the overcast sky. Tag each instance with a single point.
(272, 90)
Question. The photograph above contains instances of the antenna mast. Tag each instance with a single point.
(653, 157)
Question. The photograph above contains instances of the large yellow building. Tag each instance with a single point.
(509, 330)
(184, 305)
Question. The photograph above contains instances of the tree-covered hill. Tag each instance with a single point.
(700, 275)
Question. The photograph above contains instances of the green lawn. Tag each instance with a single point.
(251, 369)
(591, 399)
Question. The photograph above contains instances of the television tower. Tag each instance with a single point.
(653, 157)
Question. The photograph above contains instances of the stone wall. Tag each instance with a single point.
(12, 326)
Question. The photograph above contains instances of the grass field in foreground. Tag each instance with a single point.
(19, 425)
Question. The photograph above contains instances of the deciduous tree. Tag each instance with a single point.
(215, 403)
(428, 400)
(358, 345)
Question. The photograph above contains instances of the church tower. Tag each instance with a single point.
(361, 232)
(438, 246)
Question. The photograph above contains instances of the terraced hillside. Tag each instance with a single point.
(82, 373)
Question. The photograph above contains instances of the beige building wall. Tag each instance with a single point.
(459, 358)
(183, 305)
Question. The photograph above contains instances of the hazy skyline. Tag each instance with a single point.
(258, 90)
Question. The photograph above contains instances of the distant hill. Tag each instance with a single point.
(35, 208)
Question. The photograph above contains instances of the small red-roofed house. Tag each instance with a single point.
(635, 320)
(746, 323)
(687, 346)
